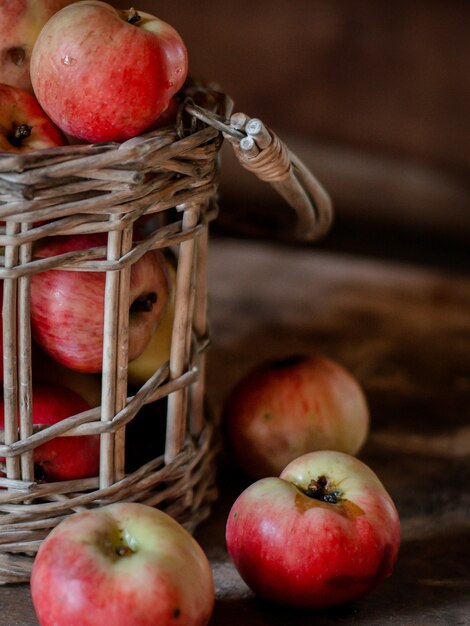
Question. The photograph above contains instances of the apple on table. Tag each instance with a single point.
(23, 124)
(124, 564)
(284, 408)
(104, 74)
(67, 307)
(20, 24)
(324, 533)
(61, 458)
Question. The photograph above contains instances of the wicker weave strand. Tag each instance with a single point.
(271, 164)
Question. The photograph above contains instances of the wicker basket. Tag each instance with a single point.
(172, 174)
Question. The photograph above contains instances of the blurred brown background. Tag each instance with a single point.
(373, 96)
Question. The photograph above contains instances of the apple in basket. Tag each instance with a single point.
(23, 124)
(104, 74)
(67, 307)
(158, 349)
(61, 458)
(124, 564)
(284, 408)
(324, 533)
(20, 23)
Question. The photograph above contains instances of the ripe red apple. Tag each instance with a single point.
(124, 564)
(106, 75)
(67, 308)
(283, 409)
(23, 124)
(62, 458)
(325, 533)
(20, 23)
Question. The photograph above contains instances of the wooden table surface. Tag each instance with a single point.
(404, 331)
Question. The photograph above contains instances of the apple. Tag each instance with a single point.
(106, 75)
(284, 408)
(20, 24)
(125, 564)
(62, 458)
(158, 349)
(23, 124)
(324, 533)
(67, 307)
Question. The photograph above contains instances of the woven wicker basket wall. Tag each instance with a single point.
(171, 174)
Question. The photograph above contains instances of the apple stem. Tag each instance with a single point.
(133, 17)
(321, 490)
(19, 133)
(145, 303)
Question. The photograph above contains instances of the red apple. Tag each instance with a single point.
(62, 458)
(106, 75)
(124, 564)
(283, 409)
(67, 308)
(20, 23)
(23, 124)
(325, 533)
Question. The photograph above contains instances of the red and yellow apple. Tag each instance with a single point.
(67, 307)
(124, 564)
(285, 408)
(158, 349)
(324, 533)
(106, 75)
(61, 458)
(20, 24)
(23, 124)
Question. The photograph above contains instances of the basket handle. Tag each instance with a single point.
(261, 152)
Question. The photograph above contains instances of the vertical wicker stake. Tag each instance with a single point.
(200, 328)
(24, 357)
(179, 356)
(108, 391)
(122, 354)
(10, 373)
